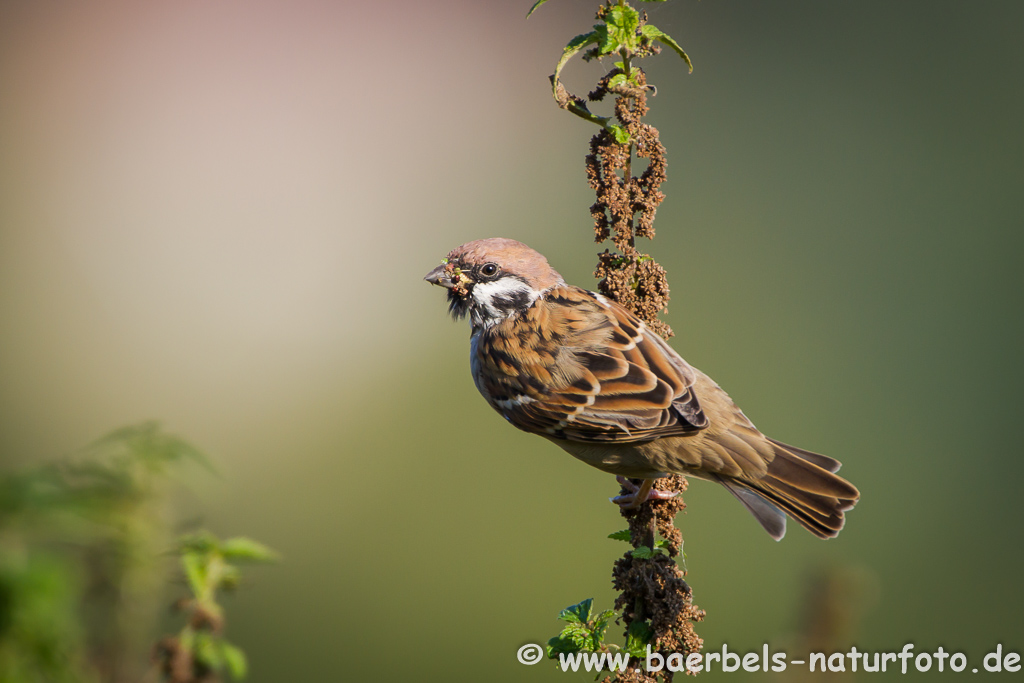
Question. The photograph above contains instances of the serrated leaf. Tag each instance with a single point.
(620, 535)
(560, 644)
(579, 634)
(241, 549)
(574, 46)
(622, 22)
(578, 43)
(578, 613)
(652, 32)
(617, 79)
(235, 660)
(606, 43)
(645, 553)
(534, 8)
(600, 626)
(637, 637)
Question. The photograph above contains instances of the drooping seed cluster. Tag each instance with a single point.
(626, 203)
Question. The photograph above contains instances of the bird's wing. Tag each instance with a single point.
(580, 367)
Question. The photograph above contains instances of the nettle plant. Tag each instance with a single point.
(622, 31)
(585, 633)
(586, 630)
(199, 652)
(654, 603)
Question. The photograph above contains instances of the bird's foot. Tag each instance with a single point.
(638, 495)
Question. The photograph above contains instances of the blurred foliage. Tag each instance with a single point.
(200, 652)
(83, 559)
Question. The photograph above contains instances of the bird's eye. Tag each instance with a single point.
(489, 269)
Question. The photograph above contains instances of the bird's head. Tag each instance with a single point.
(490, 280)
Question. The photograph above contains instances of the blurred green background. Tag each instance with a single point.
(219, 215)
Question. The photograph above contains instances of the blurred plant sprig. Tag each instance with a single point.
(83, 559)
(200, 652)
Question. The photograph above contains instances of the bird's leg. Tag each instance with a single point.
(638, 495)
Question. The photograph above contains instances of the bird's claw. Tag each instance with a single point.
(638, 495)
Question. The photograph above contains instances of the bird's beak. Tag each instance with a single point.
(438, 277)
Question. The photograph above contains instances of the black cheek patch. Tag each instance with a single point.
(513, 301)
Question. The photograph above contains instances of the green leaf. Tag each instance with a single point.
(645, 553)
(195, 571)
(573, 638)
(578, 613)
(534, 8)
(241, 549)
(620, 535)
(206, 651)
(652, 32)
(574, 46)
(622, 22)
(200, 542)
(171, 448)
(606, 43)
(148, 445)
(637, 637)
(620, 133)
(579, 634)
(560, 644)
(617, 79)
(601, 622)
(235, 660)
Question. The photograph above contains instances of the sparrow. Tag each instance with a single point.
(583, 372)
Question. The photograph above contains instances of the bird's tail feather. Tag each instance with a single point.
(822, 461)
(804, 486)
